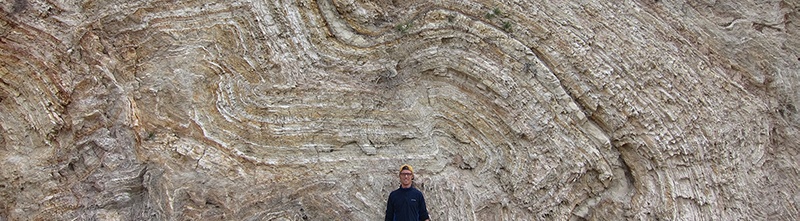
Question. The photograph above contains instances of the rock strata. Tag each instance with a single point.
(302, 110)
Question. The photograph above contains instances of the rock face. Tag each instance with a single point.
(303, 110)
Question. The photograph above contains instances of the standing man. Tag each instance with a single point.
(406, 203)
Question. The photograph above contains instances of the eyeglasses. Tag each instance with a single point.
(406, 174)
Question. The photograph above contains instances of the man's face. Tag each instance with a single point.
(405, 178)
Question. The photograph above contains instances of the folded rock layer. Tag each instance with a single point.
(303, 110)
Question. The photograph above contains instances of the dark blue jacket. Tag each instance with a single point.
(406, 204)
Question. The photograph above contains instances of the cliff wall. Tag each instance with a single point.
(303, 110)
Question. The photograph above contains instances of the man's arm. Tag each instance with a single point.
(424, 209)
(389, 209)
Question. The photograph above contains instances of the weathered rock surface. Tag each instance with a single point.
(510, 110)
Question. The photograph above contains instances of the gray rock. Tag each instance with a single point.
(520, 110)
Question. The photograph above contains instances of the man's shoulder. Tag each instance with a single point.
(417, 191)
(402, 190)
(410, 190)
(413, 190)
(396, 191)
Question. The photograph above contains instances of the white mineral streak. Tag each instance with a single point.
(302, 110)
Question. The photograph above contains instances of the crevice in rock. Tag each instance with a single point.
(3, 132)
(629, 178)
(19, 6)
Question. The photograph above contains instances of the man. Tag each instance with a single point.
(406, 203)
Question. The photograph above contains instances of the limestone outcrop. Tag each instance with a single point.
(303, 110)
